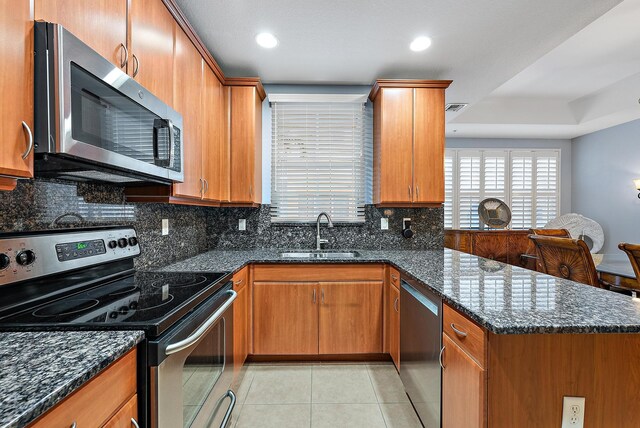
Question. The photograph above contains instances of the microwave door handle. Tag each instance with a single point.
(156, 155)
(172, 140)
(203, 329)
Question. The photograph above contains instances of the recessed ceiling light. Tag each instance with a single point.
(267, 40)
(420, 44)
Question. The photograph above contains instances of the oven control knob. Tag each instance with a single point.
(133, 241)
(113, 315)
(133, 305)
(124, 310)
(122, 242)
(4, 261)
(25, 258)
(112, 244)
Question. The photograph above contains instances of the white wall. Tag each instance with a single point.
(604, 166)
(524, 143)
(266, 120)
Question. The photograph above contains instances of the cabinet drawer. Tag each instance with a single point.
(94, 403)
(319, 272)
(466, 333)
(125, 415)
(241, 278)
(394, 277)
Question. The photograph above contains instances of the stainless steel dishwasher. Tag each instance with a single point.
(420, 344)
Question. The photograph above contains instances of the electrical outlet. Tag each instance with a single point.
(384, 223)
(573, 412)
(242, 224)
(165, 226)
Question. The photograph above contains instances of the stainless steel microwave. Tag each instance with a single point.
(93, 122)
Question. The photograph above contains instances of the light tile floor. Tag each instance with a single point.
(328, 395)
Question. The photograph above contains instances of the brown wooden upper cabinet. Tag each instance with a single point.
(246, 145)
(101, 24)
(16, 84)
(151, 47)
(408, 142)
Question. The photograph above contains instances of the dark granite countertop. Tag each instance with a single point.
(505, 299)
(40, 369)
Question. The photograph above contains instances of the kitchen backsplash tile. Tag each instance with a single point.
(42, 204)
(427, 224)
(36, 204)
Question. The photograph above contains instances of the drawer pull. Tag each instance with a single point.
(238, 282)
(134, 423)
(30, 143)
(458, 332)
(394, 277)
(440, 357)
(395, 305)
(314, 296)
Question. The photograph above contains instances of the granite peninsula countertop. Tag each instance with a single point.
(503, 298)
(40, 369)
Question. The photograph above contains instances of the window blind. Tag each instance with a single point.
(527, 180)
(321, 160)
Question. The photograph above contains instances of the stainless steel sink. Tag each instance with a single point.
(319, 254)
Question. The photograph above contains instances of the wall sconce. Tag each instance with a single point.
(637, 183)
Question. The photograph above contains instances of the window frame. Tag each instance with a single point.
(455, 154)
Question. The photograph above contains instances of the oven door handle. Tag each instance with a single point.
(203, 329)
(232, 404)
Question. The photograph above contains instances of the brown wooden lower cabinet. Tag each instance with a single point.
(317, 310)
(463, 388)
(105, 399)
(393, 304)
(350, 317)
(285, 318)
(241, 318)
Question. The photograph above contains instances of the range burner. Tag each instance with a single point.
(65, 307)
(185, 280)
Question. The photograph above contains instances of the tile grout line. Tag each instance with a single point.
(376, 395)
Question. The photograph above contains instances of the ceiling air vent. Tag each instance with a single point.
(455, 106)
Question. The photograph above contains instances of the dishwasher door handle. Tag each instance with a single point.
(424, 300)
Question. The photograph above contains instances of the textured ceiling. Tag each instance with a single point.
(480, 44)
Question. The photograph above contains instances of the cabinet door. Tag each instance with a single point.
(350, 317)
(428, 146)
(16, 84)
(463, 389)
(124, 416)
(240, 328)
(215, 144)
(187, 96)
(151, 48)
(246, 145)
(394, 325)
(393, 141)
(101, 24)
(285, 318)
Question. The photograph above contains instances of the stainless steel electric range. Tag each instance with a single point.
(84, 279)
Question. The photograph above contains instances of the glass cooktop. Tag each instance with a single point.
(151, 301)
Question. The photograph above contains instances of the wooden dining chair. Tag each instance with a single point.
(566, 258)
(633, 252)
(532, 263)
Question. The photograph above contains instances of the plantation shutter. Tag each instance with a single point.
(321, 158)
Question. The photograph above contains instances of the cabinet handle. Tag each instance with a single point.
(30, 145)
(314, 296)
(238, 282)
(410, 193)
(125, 61)
(395, 305)
(440, 357)
(206, 185)
(394, 277)
(136, 65)
(458, 332)
(250, 191)
(134, 423)
(201, 188)
(417, 192)
(322, 295)
(73, 425)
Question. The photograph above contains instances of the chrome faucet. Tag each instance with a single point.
(319, 240)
